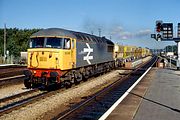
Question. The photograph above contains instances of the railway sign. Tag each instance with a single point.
(153, 36)
(156, 36)
(178, 34)
(164, 32)
(88, 57)
(167, 31)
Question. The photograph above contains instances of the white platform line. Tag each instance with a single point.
(12, 77)
(106, 114)
(4, 65)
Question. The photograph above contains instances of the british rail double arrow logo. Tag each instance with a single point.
(88, 57)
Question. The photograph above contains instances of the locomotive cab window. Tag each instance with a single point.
(53, 42)
(37, 42)
(48, 42)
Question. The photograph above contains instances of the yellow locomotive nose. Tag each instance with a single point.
(43, 59)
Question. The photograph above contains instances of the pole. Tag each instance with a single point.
(170, 55)
(178, 56)
(4, 43)
(170, 62)
(99, 32)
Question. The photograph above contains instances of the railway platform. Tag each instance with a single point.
(156, 97)
(11, 65)
(2, 65)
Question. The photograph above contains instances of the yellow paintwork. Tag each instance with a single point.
(129, 51)
(118, 51)
(138, 52)
(51, 58)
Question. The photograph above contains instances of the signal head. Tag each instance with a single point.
(158, 26)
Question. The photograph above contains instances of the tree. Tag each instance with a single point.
(17, 40)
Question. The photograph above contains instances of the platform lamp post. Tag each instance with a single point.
(164, 32)
(170, 58)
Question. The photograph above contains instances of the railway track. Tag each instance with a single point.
(17, 101)
(13, 97)
(11, 80)
(10, 103)
(10, 75)
(96, 105)
(9, 71)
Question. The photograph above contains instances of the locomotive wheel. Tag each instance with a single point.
(68, 84)
(76, 78)
(27, 84)
(85, 76)
(76, 82)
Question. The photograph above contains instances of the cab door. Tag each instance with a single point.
(73, 52)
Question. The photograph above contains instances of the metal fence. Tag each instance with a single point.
(12, 60)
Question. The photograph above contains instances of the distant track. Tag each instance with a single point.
(9, 71)
(11, 80)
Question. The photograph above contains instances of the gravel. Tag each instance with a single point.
(12, 90)
(5, 103)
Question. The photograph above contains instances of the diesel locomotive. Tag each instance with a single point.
(63, 57)
(59, 56)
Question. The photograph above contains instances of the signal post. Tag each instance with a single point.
(164, 32)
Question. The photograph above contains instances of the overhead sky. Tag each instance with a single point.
(128, 22)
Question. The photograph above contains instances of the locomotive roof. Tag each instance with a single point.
(78, 35)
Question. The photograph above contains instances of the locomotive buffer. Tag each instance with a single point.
(164, 32)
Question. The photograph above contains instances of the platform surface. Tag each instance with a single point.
(156, 97)
(162, 99)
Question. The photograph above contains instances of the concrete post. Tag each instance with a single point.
(178, 55)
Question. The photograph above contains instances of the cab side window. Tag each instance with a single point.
(67, 43)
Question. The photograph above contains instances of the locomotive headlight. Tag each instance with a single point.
(50, 54)
(57, 61)
(34, 72)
